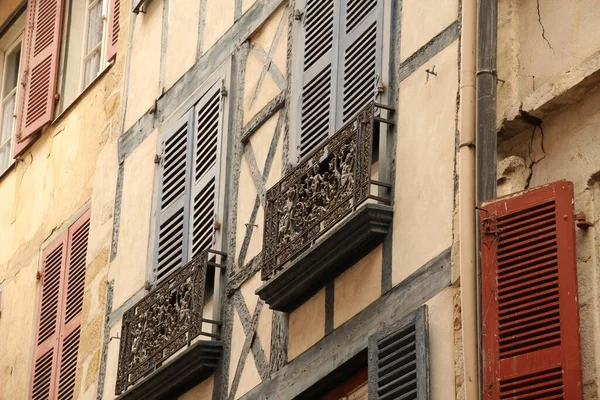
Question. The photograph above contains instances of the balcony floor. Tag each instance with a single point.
(178, 375)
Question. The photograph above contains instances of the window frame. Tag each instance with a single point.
(297, 47)
(13, 38)
(63, 107)
(100, 46)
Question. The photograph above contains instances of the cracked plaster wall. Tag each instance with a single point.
(541, 42)
(548, 55)
(569, 149)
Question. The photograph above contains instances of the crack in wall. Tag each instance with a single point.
(542, 25)
(529, 155)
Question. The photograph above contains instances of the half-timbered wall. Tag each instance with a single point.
(102, 153)
(175, 47)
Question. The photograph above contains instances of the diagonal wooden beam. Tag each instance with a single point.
(268, 62)
(249, 325)
(263, 178)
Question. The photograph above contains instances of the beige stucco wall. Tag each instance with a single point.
(424, 193)
(145, 63)
(441, 342)
(182, 39)
(357, 287)
(129, 267)
(571, 151)
(424, 19)
(306, 325)
(218, 19)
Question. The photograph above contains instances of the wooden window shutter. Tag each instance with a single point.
(59, 315)
(531, 343)
(114, 10)
(361, 51)
(399, 360)
(171, 246)
(36, 107)
(22, 144)
(319, 73)
(207, 150)
(72, 305)
(45, 354)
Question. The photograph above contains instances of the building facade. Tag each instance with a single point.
(302, 199)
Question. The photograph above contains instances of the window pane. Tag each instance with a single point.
(94, 34)
(92, 66)
(8, 112)
(4, 157)
(12, 70)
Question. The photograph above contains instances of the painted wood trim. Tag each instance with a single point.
(347, 341)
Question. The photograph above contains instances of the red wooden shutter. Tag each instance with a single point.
(59, 322)
(72, 305)
(43, 47)
(114, 9)
(48, 332)
(21, 144)
(531, 342)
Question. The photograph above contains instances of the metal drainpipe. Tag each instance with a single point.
(486, 136)
(466, 199)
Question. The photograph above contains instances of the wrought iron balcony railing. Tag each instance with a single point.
(167, 320)
(323, 189)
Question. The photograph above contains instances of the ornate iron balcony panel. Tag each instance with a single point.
(165, 321)
(320, 191)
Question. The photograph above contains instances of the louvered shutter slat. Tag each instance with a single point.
(49, 314)
(531, 341)
(77, 266)
(207, 145)
(360, 54)
(173, 216)
(59, 316)
(42, 378)
(68, 365)
(399, 360)
(319, 66)
(42, 56)
(72, 305)
(114, 10)
(50, 294)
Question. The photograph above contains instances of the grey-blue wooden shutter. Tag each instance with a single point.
(360, 56)
(171, 244)
(320, 31)
(207, 159)
(399, 360)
